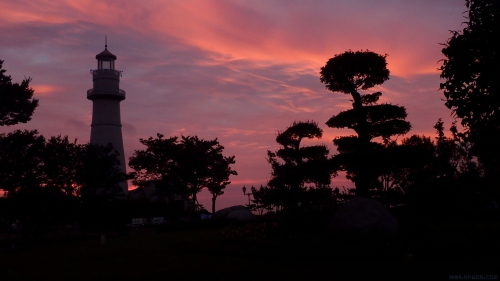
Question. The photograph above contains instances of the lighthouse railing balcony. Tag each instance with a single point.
(92, 92)
(106, 71)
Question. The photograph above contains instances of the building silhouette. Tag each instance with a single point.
(106, 96)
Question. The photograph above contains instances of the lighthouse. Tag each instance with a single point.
(106, 96)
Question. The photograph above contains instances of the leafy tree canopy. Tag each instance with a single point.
(437, 174)
(21, 162)
(221, 171)
(156, 164)
(57, 164)
(471, 68)
(351, 71)
(294, 134)
(202, 165)
(48, 181)
(348, 73)
(382, 120)
(182, 166)
(16, 100)
(471, 86)
(99, 173)
(294, 168)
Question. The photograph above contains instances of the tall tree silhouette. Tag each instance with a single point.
(99, 174)
(182, 167)
(16, 100)
(21, 177)
(21, 161)
(220, 172)
(46, 180)
(99, 180)
(472, 88)
(348, 73)
(294, 167)
(157, 164)
(440, 174)
(61, 165)
(201, 165)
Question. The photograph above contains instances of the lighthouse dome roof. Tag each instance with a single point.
(105, 55)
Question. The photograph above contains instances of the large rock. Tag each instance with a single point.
(364, 218)
(240, 213)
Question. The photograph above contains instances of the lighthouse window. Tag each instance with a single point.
(105, 64)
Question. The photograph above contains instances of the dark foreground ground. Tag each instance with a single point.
(447, 251)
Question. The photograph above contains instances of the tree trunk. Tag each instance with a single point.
(193, 207)
(362, 181)
(213, 204)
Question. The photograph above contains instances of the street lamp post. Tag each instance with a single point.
(247, 194)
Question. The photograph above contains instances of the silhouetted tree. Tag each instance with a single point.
(399, 163)
(266, 198)
(21, 161)
(99, 173)
(48, 182)
(61, 165)
(201, 165)
(472, 87)
(99, 178)
(60, 170)
(182, 167)
(436, 175)
(21, 178)
(157, 164)
(16, 100)
(348, 73)
(294, 168)
(220, 172)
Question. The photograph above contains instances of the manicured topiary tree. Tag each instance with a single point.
(373, 123)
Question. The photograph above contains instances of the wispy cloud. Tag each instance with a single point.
(234, 70)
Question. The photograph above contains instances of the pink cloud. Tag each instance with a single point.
(234, 70)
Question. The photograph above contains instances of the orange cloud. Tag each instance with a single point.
(237, 70)
(45, 90)
(299, 33)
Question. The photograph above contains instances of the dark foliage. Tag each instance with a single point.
(55, 182)
(16, 100)
(157, 164)
(61, 165)
(295, 169)
(471, 66)
(382, 120)
(472, 87)
(99, 173)
(351, 71)
(21, 162)
(182, 167)
(202, 165)
(265, 198)
(434, 176)
(221, 171)
(359, 155)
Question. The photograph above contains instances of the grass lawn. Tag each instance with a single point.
(204, 254)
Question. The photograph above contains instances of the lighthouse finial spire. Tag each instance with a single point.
(106, 42)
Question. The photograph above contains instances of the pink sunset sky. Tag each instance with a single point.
(236, 70)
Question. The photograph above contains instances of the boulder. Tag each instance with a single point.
(364, 218)
(240, 213)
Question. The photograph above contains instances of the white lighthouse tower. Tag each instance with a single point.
(106, 97)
